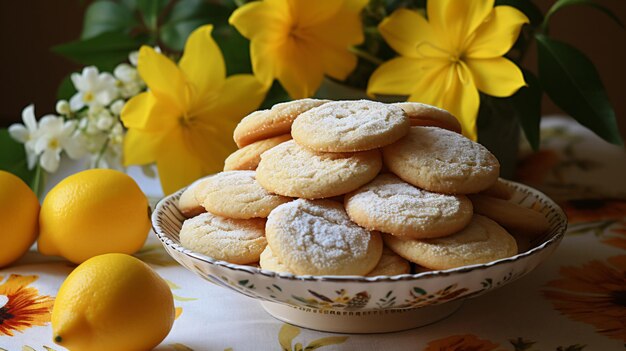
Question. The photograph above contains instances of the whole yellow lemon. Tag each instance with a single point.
(112, 302)
(91, 213)
(19, 210)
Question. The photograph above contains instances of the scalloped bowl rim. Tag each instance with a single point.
(552, 240)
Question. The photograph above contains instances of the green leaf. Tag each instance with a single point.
(13, 157)
(527, 103)
(107, 16)
(104, 51)
(527, 7)
(236, 50)
(151, 9)
(561, 4)
(129, 4)
(188, 15)
(573, 83)
(419, 290)
(66, 89)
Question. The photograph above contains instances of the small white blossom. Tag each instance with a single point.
(55, 136)
(63, 108)
(133, 58)
(128, 80)
(27, 134)
(93, 88)
(117, 106)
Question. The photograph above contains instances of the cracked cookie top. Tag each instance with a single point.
(390, 205)
(442, 161)
(292, 170)
(236, 194)
(239, 241)
(347, 126)
(276, 121)
(318, 238)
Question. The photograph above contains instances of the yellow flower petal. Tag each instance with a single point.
(496, 76)
(264, 60)
(456, 20)
(343, 29)
(300, 71)
(452, 88)
(496, 36)
(462, 100)
(336, 62)
(399, 76)
(141, 147)
(210, 133)
(240, 95)
(309, 13)
(203, 63)
(406, 30)
(177, 163)
(163, 77)
(260, 18)
(146, 112)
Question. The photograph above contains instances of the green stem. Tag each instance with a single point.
(366, 56)
(38, 181)
(101, 152)
(240, 3)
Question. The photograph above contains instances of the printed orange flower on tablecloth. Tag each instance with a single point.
(594, 294)
(21, 306)
(461, 342)
(618, 235)
(594, 210)
(535, 168)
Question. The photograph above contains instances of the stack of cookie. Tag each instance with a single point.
(354, 188)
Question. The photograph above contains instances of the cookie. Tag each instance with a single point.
(499, 190)
(442, 161)
(390, 264)
(292, 170)
(237, 194)
(348, 126)
(276, 121)
(188, 204)
(429, 116)
(514, 217)
(483, 240)
(248, 157)
(318, 238)
(239, 241)
(270, 262)
(390, 205)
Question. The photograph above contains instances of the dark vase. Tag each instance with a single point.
(499, 131)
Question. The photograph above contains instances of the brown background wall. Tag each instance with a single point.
(30, 73)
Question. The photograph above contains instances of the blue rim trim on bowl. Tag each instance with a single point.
(555, 213)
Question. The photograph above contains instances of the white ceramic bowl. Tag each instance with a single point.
(350, 304)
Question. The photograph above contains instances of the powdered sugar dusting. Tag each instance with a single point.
(350, 125)
(389, 204)
(318, 235)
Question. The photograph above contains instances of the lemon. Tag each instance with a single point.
(112, 302)
(19, 208)
(92, 213)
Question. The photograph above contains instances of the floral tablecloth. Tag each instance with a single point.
(574, 301)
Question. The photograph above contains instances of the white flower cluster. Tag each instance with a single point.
(86, 125)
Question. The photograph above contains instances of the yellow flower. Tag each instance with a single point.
(299, 41)
(446, 59)
(184, 122)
